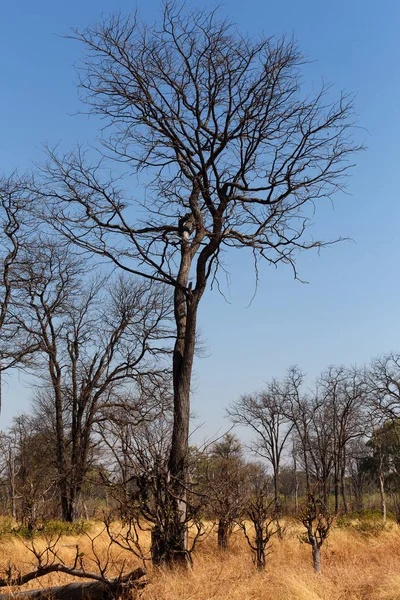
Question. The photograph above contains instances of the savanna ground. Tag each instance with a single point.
(356, 565)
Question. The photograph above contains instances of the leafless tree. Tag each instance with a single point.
(15, 232)
(344, 392)
(137, 444)
(9, 470)
(326, 422)
(93, 338)
(34, 472)
(260, 511)
(317, 523)
(233, 155)
(222, 478)
(266, 415)
(300, 413)
(383, 393)
(383, 383)
(360, 477)
(12, 205)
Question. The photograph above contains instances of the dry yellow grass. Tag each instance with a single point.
(354, 568)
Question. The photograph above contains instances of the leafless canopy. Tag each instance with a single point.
(234, 152)
(14, 234)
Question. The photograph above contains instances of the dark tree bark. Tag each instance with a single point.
(223, 534)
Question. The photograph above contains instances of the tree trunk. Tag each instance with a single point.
(73, 591)
(55, 374)
(73, 499)
(172, 540)
(337, 493)
(344, 496)
(65, 508)
(296, 482)
(343, 483)
(224, 530)
(358, 496)
(260, 546)
(158, 546)
(95, 590)
(325, 491)
(277, 499)
(186, 302)
(316, 555)
(260, 562)
(77, 591)
(382, 495)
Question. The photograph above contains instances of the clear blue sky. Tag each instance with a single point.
(350, 309)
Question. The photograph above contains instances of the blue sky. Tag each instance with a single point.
(349, 311)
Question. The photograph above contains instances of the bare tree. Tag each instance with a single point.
(14, 235)
(300, 413)
(9, 470)
(383, 383)
(320, 447)
(383, 387)
(265, 414)
(360, 475)
(223, 480)
(317, 523)
(234, 155)
(327, 420)
(137, 443)
(93, 338)
(12, 204)
(260, 511)
(34, 476)
(343, 396)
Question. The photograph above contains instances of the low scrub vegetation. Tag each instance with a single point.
(9, 526)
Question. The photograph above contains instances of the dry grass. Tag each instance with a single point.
(355, 567)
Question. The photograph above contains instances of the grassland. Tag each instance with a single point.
(357, 565)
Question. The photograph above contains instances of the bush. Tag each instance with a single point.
(369, 528)
(63, 528)
(9, 527)
(366, 522)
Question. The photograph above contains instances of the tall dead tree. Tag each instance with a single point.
(266, 415)
(342, 394)
(300, 413)
(232, 154)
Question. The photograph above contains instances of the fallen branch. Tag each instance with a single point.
(100, 589)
